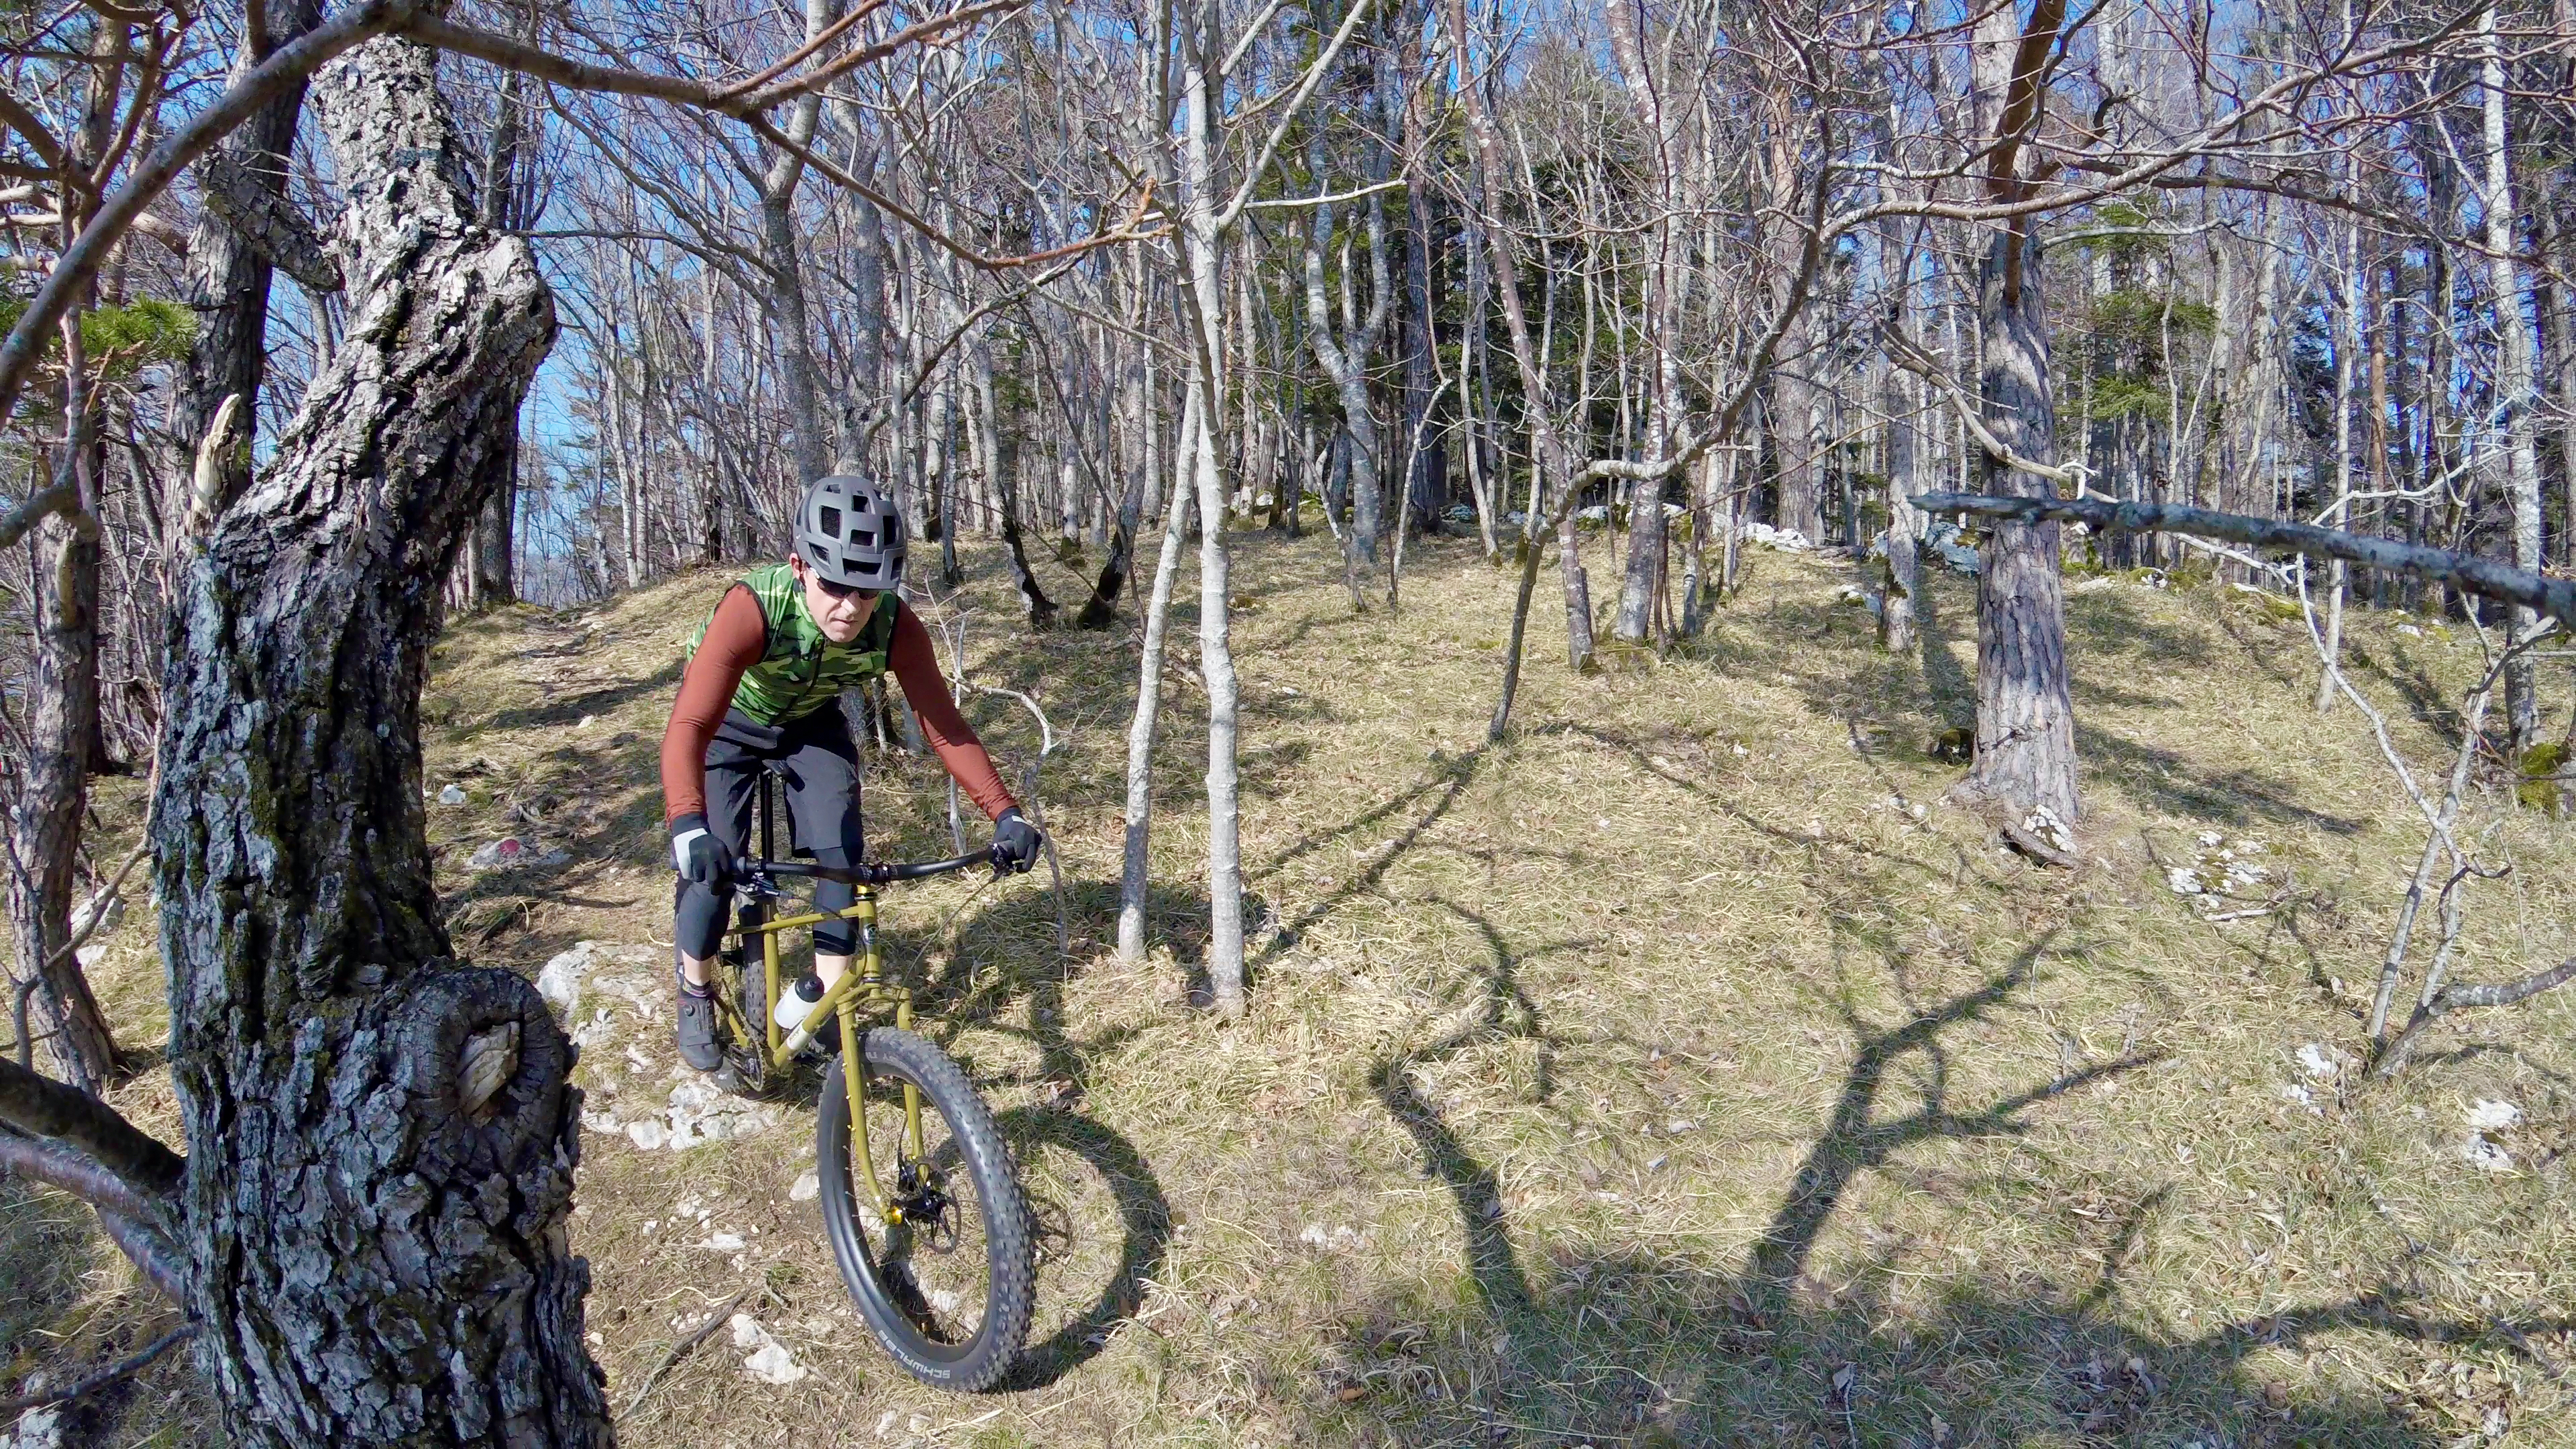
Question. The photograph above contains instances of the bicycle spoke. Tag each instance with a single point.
(933, 1258)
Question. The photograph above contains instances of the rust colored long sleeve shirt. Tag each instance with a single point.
(734, 641)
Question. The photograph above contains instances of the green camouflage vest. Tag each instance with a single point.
(800, 671)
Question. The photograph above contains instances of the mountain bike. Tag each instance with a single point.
(935, 1245)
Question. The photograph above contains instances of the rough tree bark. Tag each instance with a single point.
(62, 738)
(2025, 711)
(382, 1142)
(61, 724)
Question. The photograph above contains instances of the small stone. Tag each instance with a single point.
(647, 1133)
(559, 980)
(806, 1187)
(2486, 1155)
(110, 915)
(2492, 1116)
(452, 795)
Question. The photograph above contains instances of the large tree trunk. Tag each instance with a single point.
(493, 549)
(1642, 588)
(1346, 363)
(1905, 478)
(2025, 713)
(381, 1142)
(1205, 295)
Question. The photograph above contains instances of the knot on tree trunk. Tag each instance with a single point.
(488, 1070)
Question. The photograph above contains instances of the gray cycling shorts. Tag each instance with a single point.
(820, 763)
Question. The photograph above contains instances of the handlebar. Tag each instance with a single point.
(882, 873)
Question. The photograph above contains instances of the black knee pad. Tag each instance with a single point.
(835, 936)
(698, 918)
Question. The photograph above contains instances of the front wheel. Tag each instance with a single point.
(945, 1280)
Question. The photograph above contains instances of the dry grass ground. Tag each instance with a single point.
(1683, 1071)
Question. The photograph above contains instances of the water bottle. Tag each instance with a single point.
(797, 1001)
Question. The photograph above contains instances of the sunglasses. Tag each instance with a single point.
(847, 591)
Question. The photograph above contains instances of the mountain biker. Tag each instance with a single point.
(763, 686)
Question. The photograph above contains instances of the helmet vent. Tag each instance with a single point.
(832, 521)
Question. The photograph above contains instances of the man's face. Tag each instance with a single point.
(840, 614)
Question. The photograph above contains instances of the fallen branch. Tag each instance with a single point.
(2029, 843)
(2485, 577)
(687, 1345)
(140, 1360)
(2455, 997)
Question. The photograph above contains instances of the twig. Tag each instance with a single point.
(683, 1349)
(2533, 1352)
(1037, 813)
(140, 1360)
(100, 901)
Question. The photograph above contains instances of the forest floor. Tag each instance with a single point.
(1685, 1070)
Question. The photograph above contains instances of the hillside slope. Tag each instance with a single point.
(1683, 1071)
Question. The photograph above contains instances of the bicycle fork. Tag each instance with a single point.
(869, 983)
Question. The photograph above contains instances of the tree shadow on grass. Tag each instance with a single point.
(1088, 1183)
(2111, 625)
(1071, 1230)
(560, 710)
(2179, 786)
(1625, 1343)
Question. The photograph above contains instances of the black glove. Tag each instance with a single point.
(1015, 842)
(695, 852)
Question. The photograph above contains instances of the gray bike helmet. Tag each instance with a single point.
(850, 532)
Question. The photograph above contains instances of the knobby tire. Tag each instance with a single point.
(978, 1161)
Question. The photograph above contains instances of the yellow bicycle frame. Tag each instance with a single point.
(861, 988)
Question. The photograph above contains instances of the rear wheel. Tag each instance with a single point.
(746, 1067)
(946, 1279)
